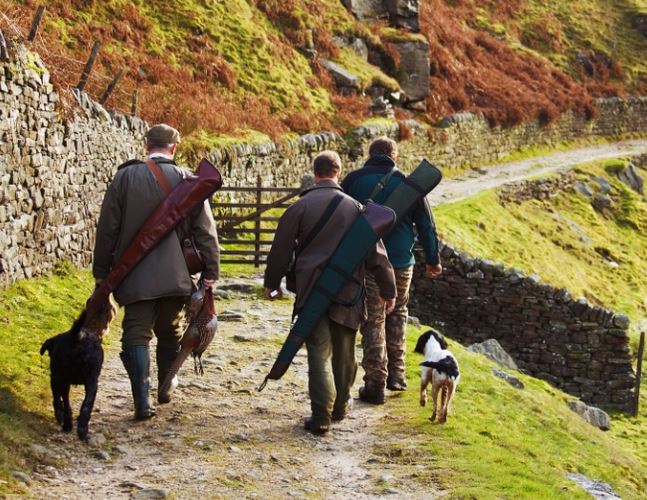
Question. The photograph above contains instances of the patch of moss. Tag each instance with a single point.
(396, 35)
(368, 74)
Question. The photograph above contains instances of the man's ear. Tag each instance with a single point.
(172, 149)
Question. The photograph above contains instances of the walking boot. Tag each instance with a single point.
(136, 360)
(165, 358)
(396, 384)
(372, 394)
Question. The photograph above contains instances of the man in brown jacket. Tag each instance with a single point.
(155, 291)
(331, 345)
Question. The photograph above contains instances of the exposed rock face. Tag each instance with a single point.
(367, 9)
(598, 489)
(404, 14)
(413, 71)
(591, 414)
(632, 178)
(492, 350)
(346, 81)
(510, 379)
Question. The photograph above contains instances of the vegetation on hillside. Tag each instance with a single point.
(503, 442)
(564, 240)
(217, 68)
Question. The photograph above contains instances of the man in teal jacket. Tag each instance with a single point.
(383, 336)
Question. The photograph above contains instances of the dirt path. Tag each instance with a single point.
(220, 438)
(488, 177)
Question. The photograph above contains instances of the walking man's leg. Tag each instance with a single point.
(321, 384)
(396, 326)
(373, 346)
(168, 332)
(139, 318)
(344, 368)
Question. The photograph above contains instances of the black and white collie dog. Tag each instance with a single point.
(439, 368)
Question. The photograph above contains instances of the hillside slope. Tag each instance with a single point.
(598, 254)
(241, 65)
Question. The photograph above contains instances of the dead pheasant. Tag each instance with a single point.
(203, 323)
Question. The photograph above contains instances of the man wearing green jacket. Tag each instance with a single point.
(383, 335)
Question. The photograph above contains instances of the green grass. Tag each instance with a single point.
(30, 312)
(541, 237)
(502, 442)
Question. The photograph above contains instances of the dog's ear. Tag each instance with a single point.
(422, 342)
(441, 340)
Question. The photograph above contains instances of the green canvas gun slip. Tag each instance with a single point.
(374, 223)
(189, 193)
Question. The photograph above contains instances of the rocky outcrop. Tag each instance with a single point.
(347, 82)
(632, 178)
(404, 14)
(492, 350)
(594, 416)
(413, 70)
(367, 9)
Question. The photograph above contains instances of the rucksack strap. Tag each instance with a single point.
(381, 184)
(332, 206)
(158, 174)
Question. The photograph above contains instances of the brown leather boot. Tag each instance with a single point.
(372, 394)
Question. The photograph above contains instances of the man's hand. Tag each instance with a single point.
(273, 294)
(433, 271)
(389, 305)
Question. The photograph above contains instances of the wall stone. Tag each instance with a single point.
(53, 171)
(580, 348)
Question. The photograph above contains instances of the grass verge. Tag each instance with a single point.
(502, 442)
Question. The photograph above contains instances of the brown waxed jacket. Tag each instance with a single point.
(295, 225)
(131, 197)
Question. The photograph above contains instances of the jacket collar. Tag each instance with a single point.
(322, 184)
(379, 163)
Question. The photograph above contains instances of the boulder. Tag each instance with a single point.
(346, 81)
(583, 188)
(413, 71)
(404, 14)
(367, 9)
(597, 489)
(594, 416)
(510, 379)
(492, 350)
(632, 178)
(602, 202)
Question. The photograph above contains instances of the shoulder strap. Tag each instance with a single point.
(384, 180)
(159, 175)
(320, 223)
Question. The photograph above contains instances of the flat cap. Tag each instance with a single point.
(162, 134)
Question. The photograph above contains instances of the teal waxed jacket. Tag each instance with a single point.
(400, 241)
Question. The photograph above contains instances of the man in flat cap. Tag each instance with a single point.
(155, 291)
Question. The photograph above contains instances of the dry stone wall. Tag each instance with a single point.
(580, 348)
(53, 170)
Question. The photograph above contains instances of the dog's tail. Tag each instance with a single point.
(78, 324)
(47, 346)
(447, 365)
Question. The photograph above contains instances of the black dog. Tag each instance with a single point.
(76, 358)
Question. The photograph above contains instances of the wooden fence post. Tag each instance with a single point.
(4, 51)
(639, 367)
(111, 86)
(36, 23)
(257, 224)
(88, 66)
(133, 103)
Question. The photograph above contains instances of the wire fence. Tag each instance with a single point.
(66, 72)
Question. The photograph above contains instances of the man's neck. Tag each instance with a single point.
(321, 179)
(160, 154)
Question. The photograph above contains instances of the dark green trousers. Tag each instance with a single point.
(331, 368)
(160, 317)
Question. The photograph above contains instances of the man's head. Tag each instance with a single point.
(327, 165)
(162, 138)
(384, 146)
